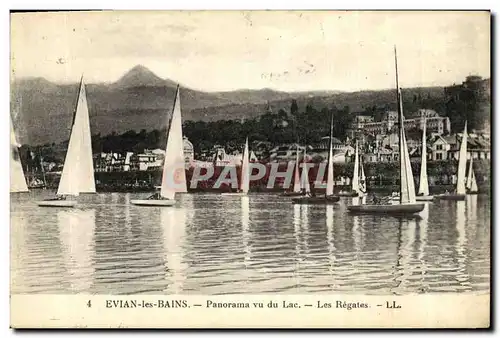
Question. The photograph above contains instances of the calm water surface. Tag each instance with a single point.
(210, 244)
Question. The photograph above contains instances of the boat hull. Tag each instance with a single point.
(57, 204)
(316, 200)
(293, 194)
(452, 197)
(348, 194)
(424, 198)
(234, 194)
(393, 209)
(153, 203)
(417, 198)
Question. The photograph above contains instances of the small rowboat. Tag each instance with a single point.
(393, 209)
(451, 197)
(57, 203)
(293, 193)
(331, 199)
(153, 202)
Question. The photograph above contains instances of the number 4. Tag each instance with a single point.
(89, 304)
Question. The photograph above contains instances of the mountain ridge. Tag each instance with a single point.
(140, 100)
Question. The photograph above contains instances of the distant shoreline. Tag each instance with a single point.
(386, 189)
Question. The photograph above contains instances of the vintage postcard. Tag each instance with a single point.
(250, 169)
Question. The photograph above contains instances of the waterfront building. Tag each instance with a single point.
(288, 152)
(221, 158)
(448, 147)
(146, 160)
(435, 123)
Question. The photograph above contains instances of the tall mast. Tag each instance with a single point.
(169, 121)
(76, 104)
(400, 120)
(331, 139)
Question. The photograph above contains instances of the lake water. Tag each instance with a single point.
(210, 244)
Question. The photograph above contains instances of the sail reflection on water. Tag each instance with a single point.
(296, 223)
(472, 209)
(296, 232)
(76, 235)
(423, 224)
(229, 247)
(357, 234)
(405, 264)
(461, 245)
(330, 240)
(245, 224)
(187, 202)
(127, 216)
(18, 250)
(173, 223)
(305, 210)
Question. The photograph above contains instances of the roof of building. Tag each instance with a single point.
(472, 143)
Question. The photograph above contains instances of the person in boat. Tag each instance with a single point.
(156, 196)
(376, 199)
(57, 198)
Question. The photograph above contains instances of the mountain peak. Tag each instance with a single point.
(140, 76)
(140, 69)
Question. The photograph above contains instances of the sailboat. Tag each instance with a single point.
(471, 181)
(356, 186)
(297, 190)
(423, 186)
(244, 185)
(173, 176)
(78, 170)
(37, 183)
(17, 178)
(407, 202)
(459, 193)
(362, 180)
(329, 197)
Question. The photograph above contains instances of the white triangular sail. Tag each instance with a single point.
(177, 127)
(362, 179)
(469, 176)
(17, 178)
(407, 194)
(305, 174)
(174, 175)
(471, 179)
(78, 170)
(296, 177)
(462, 163)
(423, 187)
(355, 174)
(330, 178)
(473, 187)
(245, 171)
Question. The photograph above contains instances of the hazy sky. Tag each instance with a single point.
(306, 50)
